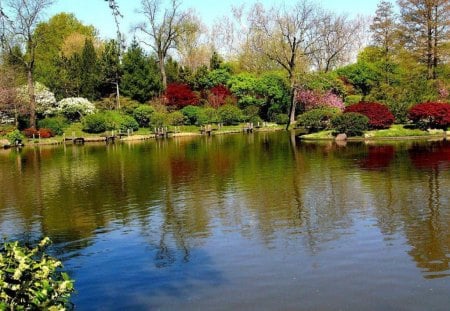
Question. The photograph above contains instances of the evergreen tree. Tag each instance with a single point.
(89, 71)
(140, 80)
(110, 69)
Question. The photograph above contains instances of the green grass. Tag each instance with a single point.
(395, 131)
(398, 130)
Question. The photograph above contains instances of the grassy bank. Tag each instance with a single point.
(396, 131)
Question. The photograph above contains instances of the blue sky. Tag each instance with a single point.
(97, 13)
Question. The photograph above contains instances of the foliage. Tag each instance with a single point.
(350, 123)
(120, 122)
(143, 114)
(89, 68)
(399, 110)
(245, 87)
(194, 115)
(45, 100)
(74, 108)
(379, 115)
(430, 115)
(229, 114)
(14, 136)
(310, 99)
(317, 119)
(362, 75)
(352, 99)
(29, 279)
(180, 95)
(140, 80)
(219, 95)
(175, 118)
(281, 118)
(94, 123)
(42, 133)
(55, 124)
(158, 119)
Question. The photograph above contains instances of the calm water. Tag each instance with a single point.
(240, 222)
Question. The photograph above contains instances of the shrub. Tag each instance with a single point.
(175, 118)
(317, 119)
(379, 115)
(142, 115)
(229, 114)
(45, 133)
(158, 119)
(29, 279)
(350, 123)
(30, 132)
(94, 123)
(430, 115)
(45, 100)
(180, 95)
(56, 124)
(14, 136)
(400, 111)
(352, 99)
(74, 108)
(311, 99)
(120, 122)
(281, 118)
(194, 115)
(211, 116)
(218, 96)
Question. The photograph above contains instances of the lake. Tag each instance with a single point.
(239, 222)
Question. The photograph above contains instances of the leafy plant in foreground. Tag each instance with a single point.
(29, 279)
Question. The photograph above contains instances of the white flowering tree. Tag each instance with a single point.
(74, 108)
(45, 100)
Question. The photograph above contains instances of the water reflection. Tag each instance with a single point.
(153, 219)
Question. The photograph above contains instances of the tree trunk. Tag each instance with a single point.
(32, 98)
(162, 70)
(292, 107)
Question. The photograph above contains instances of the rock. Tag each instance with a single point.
(341, 137)
(4, 143)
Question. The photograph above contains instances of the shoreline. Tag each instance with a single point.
(61, 140)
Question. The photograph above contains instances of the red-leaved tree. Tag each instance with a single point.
(219, 95)
(379, 115)
(430, 115)
(180, 95)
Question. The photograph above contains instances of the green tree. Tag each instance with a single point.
(53, 34)
(110, 70)
(140, 78)
(89, 71)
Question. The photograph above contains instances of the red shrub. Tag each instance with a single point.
(180, 95)
(430, 115)
(29, 132)
(42, 133)
(379, 115)
(46, 133)
(219, 95)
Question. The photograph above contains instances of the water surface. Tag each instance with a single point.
(248, 222)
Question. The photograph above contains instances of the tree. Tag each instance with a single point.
(336, 42)
(89, 70)
(163, 31)
(64, 34)
(384, 34)
(8, 93)
(425, 30)
(285, 36)
(110, 70)
(19, 20)
(140, 79)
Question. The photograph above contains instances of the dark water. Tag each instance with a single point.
(247, 222)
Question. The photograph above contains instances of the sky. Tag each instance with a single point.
(98, 14)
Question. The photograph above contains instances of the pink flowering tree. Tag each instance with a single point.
(311, 99)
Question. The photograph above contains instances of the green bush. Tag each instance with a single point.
(15, 136)
(94, 123)
(175, 118)
(350, 123)
(194, 115)
(400, 111)
(317, 119)
(159, 119)
(281, 118)
(210, 116)
(120, 122)
(56, 124)
(229, 114)
(352, 99)
(143, 114)
(29, 279)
